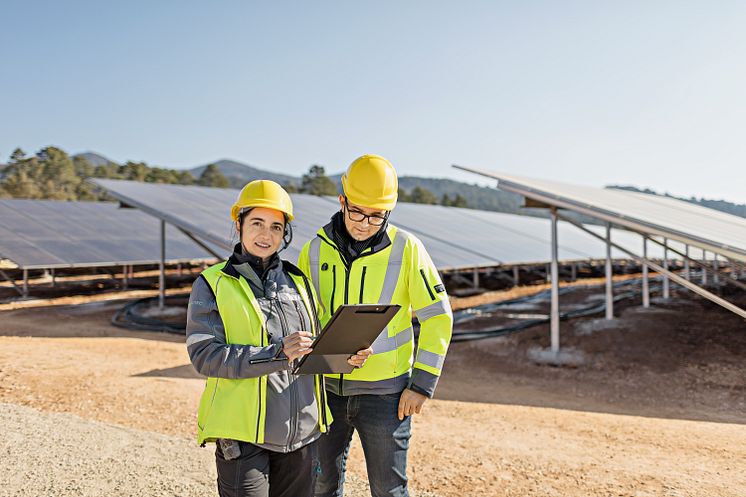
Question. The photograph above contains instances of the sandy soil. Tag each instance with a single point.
(658, 408)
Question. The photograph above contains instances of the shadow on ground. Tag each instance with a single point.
(185, 371)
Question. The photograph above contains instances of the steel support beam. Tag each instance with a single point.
(666, 282)
(475, 278)
(687, 274)
(704, 267)
(516, 275)
(715, 269)
(201, 244)
(162, 269)
(25, 283)
(609, 281)
(739, 284)
(645, 278)
(675, 277)
(554, 313)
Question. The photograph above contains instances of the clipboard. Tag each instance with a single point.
(351, 328)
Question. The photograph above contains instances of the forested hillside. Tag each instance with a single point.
(53, 174)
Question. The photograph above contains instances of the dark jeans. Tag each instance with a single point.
(384, 438)
(259, 472)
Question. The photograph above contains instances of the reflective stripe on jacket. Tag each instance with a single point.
(398, 272)
(234, 402)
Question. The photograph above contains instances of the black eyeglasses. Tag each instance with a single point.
(358, 216)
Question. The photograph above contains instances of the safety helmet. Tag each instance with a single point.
(263, 193)
(370, 181)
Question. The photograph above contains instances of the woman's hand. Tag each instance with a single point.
(360, 357)
(297, 345)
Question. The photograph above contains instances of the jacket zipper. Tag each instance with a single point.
(427, 285)
(362, 284)
(347, 283)
(300, 316)
(334, 287)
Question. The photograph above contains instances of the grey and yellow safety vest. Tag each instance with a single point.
(229, 342)
(397, 270)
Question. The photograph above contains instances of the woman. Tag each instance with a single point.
(249, 318)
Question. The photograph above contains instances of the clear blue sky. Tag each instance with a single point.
(644, 93)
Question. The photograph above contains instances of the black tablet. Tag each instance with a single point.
(351, 328)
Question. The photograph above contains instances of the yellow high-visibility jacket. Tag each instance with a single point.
(236, 408)
(397, 270)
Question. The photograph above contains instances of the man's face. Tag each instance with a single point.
(362, 229)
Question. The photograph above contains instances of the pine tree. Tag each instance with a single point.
(212, 176)
(458, 201)
(316, 182)
(421, 195)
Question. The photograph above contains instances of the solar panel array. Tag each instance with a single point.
(682, 221)
(205, 212)
(53, 234)
(454, 237)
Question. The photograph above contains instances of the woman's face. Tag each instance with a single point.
(262, 232)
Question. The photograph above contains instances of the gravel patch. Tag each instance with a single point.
(56, 454)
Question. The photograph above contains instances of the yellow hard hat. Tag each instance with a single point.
(263, 193)
(370, 181)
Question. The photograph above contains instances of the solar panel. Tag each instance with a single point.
(455, 238)
(51, 234)
(678, 220)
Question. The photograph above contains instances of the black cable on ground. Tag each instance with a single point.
(528, 323)
(128, 318)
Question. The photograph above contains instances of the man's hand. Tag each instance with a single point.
(360, 357)
(297, 345)
(410, 403)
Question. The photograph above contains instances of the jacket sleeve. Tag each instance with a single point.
(433, 310)
(211, 355)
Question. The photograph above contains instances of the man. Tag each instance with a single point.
(360, 258)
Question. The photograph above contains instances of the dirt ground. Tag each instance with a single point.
(658, 408)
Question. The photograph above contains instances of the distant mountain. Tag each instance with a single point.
(718, 205)
(95, 159)
(238, 174)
